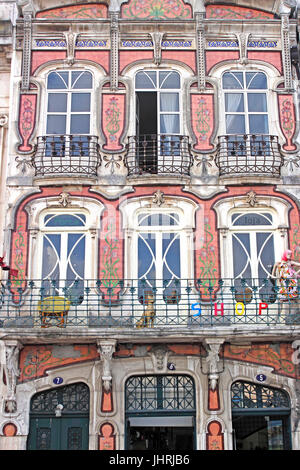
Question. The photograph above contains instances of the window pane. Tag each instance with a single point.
(51, 256)
(258, 124)
(145, 80)
(81, 102)
(64, 220)
(82, 80)
(76, 255)
(158, 219)
(57, 102)
(241, 255)
(233, 80)
(169, 101)
(56, 124)
(256, 81)
(169, 80)
(58, 80)
(146, 256)
(235, 124)
(234, 102)
(80, 124)
(169, 124)
(252, 219)
(257, 102)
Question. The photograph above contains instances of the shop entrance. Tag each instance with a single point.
(260, 417)
(160, 413)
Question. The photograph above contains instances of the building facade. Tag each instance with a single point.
(149, 185)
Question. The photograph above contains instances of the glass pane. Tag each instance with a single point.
(234, 102)
(257, 102)
(252, 219)
(58, 80)
(82, 80)
(146, 256)
(233, 80)
(241, 255)
(265, 252)
(235, 124)
(171, 256)
(258, 124)
(169, 101)
(81, 102)
(64, 220)
(256, 81)
(80, 124)
(56, 124)
(76, 256)
(169, 124)
(145, 80)
(57, 102)
(51, 256)
(158, 219)
(169, 80)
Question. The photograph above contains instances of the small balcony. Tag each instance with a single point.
(144, 304)
(158, 155)
(60, 155)
(249, 155)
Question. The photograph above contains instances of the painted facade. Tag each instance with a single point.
(149, 184)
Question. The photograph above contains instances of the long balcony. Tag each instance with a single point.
(249, 155)
(76, 155)
(144, 304)
(158, 155)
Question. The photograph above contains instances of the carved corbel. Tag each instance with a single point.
(213, 368)
(71, 41)
(12, 372)
(243, 39)
(106, 350)
(157, 41)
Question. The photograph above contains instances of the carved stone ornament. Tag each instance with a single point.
(157, 40)
(71, 41)
(12, 372)
(251, 199)
(64, 199)
(158, 198)
(213, 362)
(106, 350)
(159, 355)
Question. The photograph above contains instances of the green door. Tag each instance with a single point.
(69, 430)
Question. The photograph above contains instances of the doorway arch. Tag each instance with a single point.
(59, 418)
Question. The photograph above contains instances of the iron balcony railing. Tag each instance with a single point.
(158, 154)
(66, 154)
(137, 304)
(248, 155)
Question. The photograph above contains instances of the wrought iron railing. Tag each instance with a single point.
(66, 154)
(158, 154)
(143, 304)
(249, 154)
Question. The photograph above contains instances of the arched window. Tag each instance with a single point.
(260, 417)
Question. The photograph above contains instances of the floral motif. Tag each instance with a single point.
(235, 13)
(207, 271)
(26, 123)
(156, 9)
(113, 119)
(113, 161)
(287, 120)
(110, 259)
(202, 110)
(75, 12)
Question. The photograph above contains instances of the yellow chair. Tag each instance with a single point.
(53, 306)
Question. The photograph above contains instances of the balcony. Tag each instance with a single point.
(249, 155)
(57, 155)
(158, 155)
(144, 304)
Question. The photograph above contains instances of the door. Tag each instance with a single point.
(64, 433)
(59, 419)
